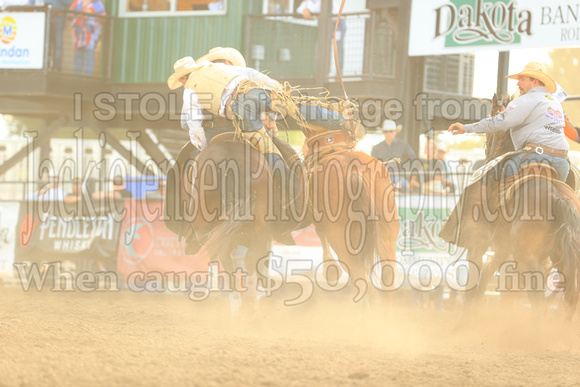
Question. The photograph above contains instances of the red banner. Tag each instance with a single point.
(146, 245)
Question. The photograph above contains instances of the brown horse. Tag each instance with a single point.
(352, 205)
(236, 202)
(528, 219)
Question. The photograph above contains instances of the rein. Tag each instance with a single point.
(337, 65)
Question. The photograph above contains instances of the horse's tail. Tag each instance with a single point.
(217, 244)
(377, 231)
(359, 220)
(568, 242)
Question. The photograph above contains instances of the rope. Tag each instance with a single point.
(337, 65)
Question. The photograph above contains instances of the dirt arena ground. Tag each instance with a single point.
(125, 338)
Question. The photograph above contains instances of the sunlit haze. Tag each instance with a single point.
(486, 62)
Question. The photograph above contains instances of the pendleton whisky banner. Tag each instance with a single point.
(52, 236)
(440, 27)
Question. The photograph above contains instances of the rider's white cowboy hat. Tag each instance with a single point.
(538, 71)
(225, 53)
(182, 67)
(390, 125)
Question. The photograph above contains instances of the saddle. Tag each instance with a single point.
(461, 224)
(510, 185)
(255, 139)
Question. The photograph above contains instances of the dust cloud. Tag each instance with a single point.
(143, 339)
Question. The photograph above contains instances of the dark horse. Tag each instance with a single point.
(529, 218)
(352, 204)
(237, 202)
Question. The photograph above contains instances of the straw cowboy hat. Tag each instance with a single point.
(182, 67)
(225, 53)
(538, 71)
(389, 125)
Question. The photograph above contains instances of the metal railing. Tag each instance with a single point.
(77, 43)
(287, 45)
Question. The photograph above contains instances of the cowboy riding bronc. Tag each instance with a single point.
(220, 84)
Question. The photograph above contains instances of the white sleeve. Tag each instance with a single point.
(192, 118)
(312, 6)
(197, 135)
(512, 117)
(192, 109)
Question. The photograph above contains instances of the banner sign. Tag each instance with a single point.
(148, 246)
(418, 245)
(440, 27)
(55, 237)
(141, 242)
(8, 221)
(22, 40)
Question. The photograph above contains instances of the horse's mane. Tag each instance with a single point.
(501, 142)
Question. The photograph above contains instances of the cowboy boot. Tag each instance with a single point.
(262, 141)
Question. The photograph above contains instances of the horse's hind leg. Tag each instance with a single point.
(245, 261)
(483, 272)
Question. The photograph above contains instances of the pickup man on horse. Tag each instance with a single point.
(535, 121)
(519, 203)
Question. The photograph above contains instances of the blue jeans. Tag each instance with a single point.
(561, 165)
(251, 105)
(84, 58)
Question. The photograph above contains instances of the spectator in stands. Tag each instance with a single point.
(434, 178)
(119, 191)
(50, 191)
(393, 148)
(77, 191)
(80, 201)
(215, 6)
(57, 24)
(278, 6)
(86, 33)
(79, 188)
